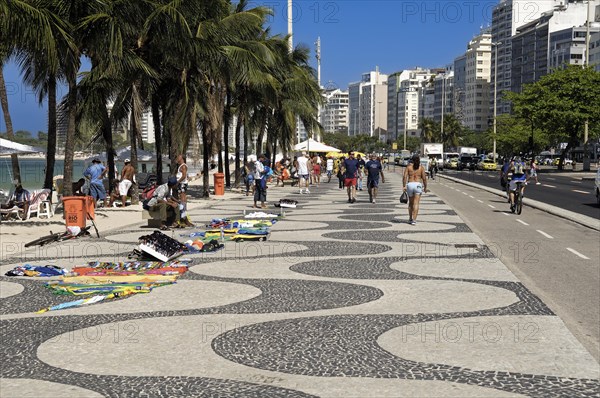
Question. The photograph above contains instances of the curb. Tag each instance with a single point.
(586, 221)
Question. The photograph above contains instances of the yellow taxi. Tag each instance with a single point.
(488, 164)
(453, 164)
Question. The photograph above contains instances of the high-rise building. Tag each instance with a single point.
(550, 41)
(367, 102)
(460, 87)
(595, 50)
(406, 91)
(443, 97)
(477, 82)
(148, 127)
(334, 114)
(507, 16)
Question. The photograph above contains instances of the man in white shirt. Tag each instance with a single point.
(303, 172)
(163, 202)
(329, 167)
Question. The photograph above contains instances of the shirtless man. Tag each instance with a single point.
(126, 181)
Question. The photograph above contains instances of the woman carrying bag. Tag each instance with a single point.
(414, 183)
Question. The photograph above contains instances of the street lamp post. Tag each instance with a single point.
(495, 96)
(586, 155)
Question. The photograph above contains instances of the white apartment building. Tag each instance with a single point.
(554, 39)
(367, 102)
(405, 93)
(507, 16)
(334, 114)
(477, 82)
(148, 127)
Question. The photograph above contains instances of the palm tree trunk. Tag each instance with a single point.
(205, 155)
(70, 137)
(238, 130)
(9, 127)
(226, 121)
(157, 138)
(135, 133)
(110, 150)
(51, 149)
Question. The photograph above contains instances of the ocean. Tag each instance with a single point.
(33, 172)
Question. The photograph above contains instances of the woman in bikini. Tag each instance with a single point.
(414, 183)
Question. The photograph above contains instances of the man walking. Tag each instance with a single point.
(182, 181)
(303, 172)
(361, 171)
(351, 167)
(126, 181)
(374, 169)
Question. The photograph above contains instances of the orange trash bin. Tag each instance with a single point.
(90, 205)
(219, 184)
(75, 211)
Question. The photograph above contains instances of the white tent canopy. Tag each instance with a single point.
(8, 147)
(314, 146)
(125, 153)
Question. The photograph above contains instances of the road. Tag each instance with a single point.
(567, 191)
(556, 259)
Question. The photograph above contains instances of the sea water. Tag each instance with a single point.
(33, 172)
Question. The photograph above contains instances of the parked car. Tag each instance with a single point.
(598, 187)
(487, 164)
(452, 163)
(467, 162)
(566, 162)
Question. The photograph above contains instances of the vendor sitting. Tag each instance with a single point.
(21, 199)
(78, 187)
(283, 176)
(163, 202)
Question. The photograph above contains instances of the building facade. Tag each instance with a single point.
(554, 39)
(367, 104)
(507, 16)
(335, 114)
(460, 87)
(477, 82)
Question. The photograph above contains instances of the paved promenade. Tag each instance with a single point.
(343, 300)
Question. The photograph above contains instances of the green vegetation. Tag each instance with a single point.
(195, 64)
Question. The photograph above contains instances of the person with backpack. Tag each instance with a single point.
(517, 167)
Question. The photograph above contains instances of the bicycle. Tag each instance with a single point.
(507, 186)
(57, 237)
(518, 195)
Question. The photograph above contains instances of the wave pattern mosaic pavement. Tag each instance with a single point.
(292, 337)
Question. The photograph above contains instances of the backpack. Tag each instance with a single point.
(148, 192)
(519, 168)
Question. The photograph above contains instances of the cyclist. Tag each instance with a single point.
(504, 177)
(517, 167)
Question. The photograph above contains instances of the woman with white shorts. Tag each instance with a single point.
(415, 183)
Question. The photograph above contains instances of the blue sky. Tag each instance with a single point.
(356, 36)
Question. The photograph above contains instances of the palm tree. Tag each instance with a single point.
(428, 129)
(452, 130)
(29, 28)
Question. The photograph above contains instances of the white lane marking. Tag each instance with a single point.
(575, 190)
(471, 196)
(545, 234)
(549, 186)
(505, 213)
(480, 201)
(464, 193)
(576, 182)
(492, 206)
(575, 252)
(550, 178)
(522, 222)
